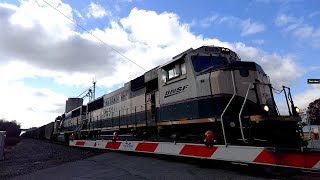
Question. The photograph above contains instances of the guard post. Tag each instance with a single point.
(2, 143)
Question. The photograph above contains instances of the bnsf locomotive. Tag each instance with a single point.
(202, 89)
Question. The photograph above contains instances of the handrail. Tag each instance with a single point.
(240, 122)
(225, 109)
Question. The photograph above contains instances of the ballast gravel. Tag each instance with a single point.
(31, 155)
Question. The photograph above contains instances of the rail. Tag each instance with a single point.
(225, 109)
(240, 121)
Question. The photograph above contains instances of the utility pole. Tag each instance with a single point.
(94, 88)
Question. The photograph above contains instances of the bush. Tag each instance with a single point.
(11, 141)
(13, 131)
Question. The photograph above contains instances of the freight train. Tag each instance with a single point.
(208, 88)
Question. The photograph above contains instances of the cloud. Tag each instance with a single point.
(209, 20)
(43, 43)
(143, 25)
(79, 15)
(313, 14)
(96, 11)
(37, 13)
(263, 1)
(258, 41)
(282, 69)
(8, 6)
(29, 106)
(303, 99)
(284, 19)
(299, 29)
(247, 26)
(53, 47)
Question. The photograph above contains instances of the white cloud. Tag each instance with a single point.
(247, 26)
(37, 13)
(74, 58)
(282, 69)
(299, 29)
(8, 6)
(29, 106)
(307, 96)
(209, 20)
(96, 11)
(284, 19)
(144, 25)
(78, 14)
(263, 1)
(258, 41)
(313, 14)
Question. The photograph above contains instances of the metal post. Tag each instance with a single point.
(94, 89)
(2, 144)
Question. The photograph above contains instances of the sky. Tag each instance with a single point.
(46, 58)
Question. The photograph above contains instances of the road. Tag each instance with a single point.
(113, 165)
(34, 159)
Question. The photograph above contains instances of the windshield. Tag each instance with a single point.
(201, 63)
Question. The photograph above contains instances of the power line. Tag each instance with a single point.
(93, 35)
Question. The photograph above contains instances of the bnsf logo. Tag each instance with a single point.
(175, 91)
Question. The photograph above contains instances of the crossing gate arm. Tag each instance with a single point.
(307, 160)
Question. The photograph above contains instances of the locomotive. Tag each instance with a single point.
(208, 88)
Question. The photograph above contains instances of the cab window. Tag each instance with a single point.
(173, 71)
(202, 63)
(183, 68)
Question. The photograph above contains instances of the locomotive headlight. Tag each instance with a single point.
(297, 109)
(266, 108)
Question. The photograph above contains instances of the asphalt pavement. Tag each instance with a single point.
(113, 165)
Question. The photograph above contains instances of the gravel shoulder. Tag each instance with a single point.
(31, 155)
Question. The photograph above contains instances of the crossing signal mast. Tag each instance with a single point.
(94, 89)
(90, 92)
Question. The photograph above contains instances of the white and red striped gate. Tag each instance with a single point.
(240, 154)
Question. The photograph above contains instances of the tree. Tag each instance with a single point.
(314, 112)
(12, 128)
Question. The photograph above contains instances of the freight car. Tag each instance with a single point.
(202, 89)
(44, 132)
(48, 131)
